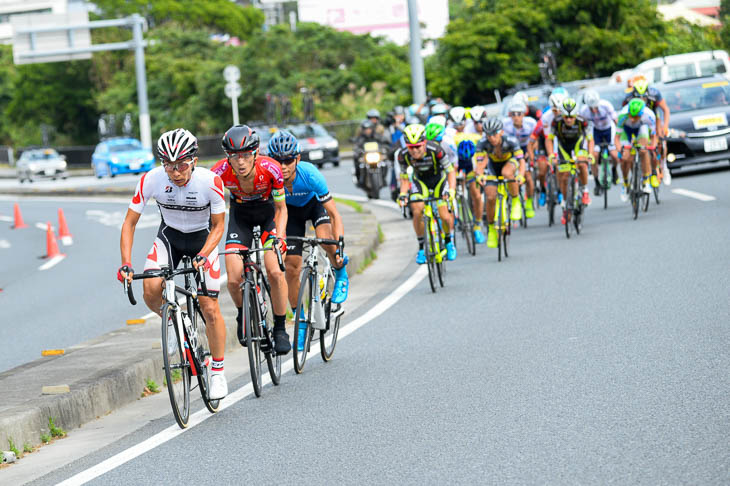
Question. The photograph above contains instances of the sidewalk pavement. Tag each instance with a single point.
(99, 376)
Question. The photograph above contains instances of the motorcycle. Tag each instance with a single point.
(373, 169)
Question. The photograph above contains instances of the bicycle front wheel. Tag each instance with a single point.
(273, 361)
(441, 266)
(328, 336)
(253, 335)
(203, 368)
(303, 315)
(177, 367)
(569, 195)
(430, 253)
(471, 244)
(656, 194)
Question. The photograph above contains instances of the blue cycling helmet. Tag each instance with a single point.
(559, 90)
(466, 150)
(283, 145)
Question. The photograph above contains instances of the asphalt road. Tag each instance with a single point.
(602, 359)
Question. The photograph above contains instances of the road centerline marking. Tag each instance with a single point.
(202, 415)
(694, 195)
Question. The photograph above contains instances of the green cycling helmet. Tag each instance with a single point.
(636, 106)
(434, 131)
(415, 134)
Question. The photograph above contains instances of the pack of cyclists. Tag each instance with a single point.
(281, 194)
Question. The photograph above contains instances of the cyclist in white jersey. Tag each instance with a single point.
(519, 126)
(192, 205)
(601, 115)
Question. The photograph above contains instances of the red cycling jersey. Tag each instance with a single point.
(268, 177)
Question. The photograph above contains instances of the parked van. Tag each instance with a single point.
(684, 66)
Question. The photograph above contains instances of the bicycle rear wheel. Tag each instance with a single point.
(273, 361)
(467, 225)
(551, 198)
(507, 224)
(441, 266)
(523, 202)
(203, 368)
(303, 315)
(646, 197)
(656, 194)
(328, 336)
(177, 368)
(604, 182)
(253, 335)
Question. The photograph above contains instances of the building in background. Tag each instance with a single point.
(387, 18)
(699, 12)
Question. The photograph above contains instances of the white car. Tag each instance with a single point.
(41, 163)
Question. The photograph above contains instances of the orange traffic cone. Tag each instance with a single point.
(63, 234)
(18, 218)
(51, 244)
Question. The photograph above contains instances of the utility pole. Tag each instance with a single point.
(418, 77)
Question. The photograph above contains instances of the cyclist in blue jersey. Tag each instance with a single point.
(307, 199)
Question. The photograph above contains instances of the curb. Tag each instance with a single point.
(136, 357)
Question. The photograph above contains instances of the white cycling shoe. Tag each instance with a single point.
(218, 386)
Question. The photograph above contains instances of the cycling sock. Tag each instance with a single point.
(279, 323)
(447, 238)
(421, 241)
(216, 365)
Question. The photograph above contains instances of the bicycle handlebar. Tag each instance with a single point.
(243, 252)
(164, 273)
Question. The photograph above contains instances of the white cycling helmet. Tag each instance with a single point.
(439, 119)
(477, 113)
(517, 106)
(521, 96)
(458, 115)
(556, 99)
(178, 144)
(591, 98)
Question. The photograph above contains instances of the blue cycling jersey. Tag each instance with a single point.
(308, 183)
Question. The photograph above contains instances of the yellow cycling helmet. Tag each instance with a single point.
(415, 134)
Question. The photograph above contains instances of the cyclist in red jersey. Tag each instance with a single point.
(536, 147)
(256, 185)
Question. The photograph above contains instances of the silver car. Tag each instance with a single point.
(41, 163)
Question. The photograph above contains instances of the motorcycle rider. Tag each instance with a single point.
(367, 133)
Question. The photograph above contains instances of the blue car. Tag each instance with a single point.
(121, 156)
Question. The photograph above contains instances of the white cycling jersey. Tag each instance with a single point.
(523, 133)
(186, 209)
(603, 119)
(547, 122)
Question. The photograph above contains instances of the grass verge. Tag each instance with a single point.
(369, 258)
(353, 204)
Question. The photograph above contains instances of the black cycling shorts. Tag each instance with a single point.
(495, 169)
(243, 217)
(296, 225)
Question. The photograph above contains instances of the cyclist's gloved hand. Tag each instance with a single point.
(552, 158)
(201, 261)
(482, 179)
(125, 272)
(274, 240)
(402, 199)
(591, 159)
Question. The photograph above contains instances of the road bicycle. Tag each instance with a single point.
(465, 217)
(639, 198)
(573, 212)
(315, 310)
(256, 331)
(434, 249)
(552, 189)
(502, 213)
(185, 349)
(605, 178)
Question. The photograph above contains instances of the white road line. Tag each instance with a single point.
(44, 227)
(693, 194)
(198, 417)
(7, 219)
(52, 262)
(4, 244)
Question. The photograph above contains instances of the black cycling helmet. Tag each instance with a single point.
(366, 124)
(283, 145)
(492, 126)
(399, 110)
(240, 138)
(373, 114)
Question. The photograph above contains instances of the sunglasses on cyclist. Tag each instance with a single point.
(416, 145)
(287, 161)
(242, 155)
(180, 166)
(516, 113)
